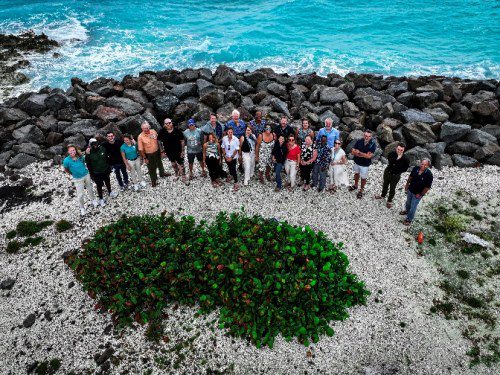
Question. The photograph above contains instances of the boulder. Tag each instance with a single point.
(440, 161)
(185, 90)
(84, 127)
(398, 135)
(486, 151)
(464, 161)
(442, 105)
(183, 112)
(253, 78)
(414, 115)
(416, 154)
(5, 157)
(213, 99)
(494, 159)
(135, 95)
(224, 112)
(77, 140)
(391, 122)
(277, 90)
(12, 115)
(492, 129)
(486, 109)
(480, 137)
(348, 88)
(451, 132)
(437, 114)
(34, 105)
(329, 114)
(232, 96)
(464, 148)
(481, 96)
(242, 87)
(418, 134)
(350, 109)
(280, 106)
(451, 93)
(406, 98)
(57, 101)
(369, 102)
(384, 134)
(297, 97)
(132, 125)
(134, 83)
(154, 88)
(151, 119)
(29, 149)
(20, 161)
(224, 76)
(461, 113)
(54, 138)
(332, 95)
(397, 88)
(92, 102)
(189, 75)
(28, 133)
(435, 148)
(47, 123)
(205, 73)
(127, 106)
(165, 104)
(107, 114)
(204, 87)
(389, 148)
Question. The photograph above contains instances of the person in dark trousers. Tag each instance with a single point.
(363, 152)
(398, 164)
(212, 157)
(322, 163)
(172, 140)
(97, 160)
(230, 151)
(418, 184)
(283, 129)
(279, 157)
(112, 146)
(149, 149)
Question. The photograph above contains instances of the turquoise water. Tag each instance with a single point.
(391, 37)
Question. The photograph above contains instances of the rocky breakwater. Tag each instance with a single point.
(451, 121)
(13, 57)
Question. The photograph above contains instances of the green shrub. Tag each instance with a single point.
(473, 202)
(63, 226)
(29, 228)
(450, 225)
(265, 277)
(11, 234)
(32, 241)
(13, 247)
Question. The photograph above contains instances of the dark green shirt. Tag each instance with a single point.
(97, 160)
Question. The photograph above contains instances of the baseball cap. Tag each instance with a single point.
(191, 122)
(92, 140)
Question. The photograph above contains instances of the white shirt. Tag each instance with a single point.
(230, 147)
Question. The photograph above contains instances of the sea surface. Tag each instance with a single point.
(391, 37)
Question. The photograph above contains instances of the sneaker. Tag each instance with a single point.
(82, 211)
(137, 187)
(404, 212)
(95, 203)
(122, 188)
(353, 187)
(113, 194)
(277, 189)
(360, 194)
(406, 222)
(379, 197)
(143, 184)
(102, 202)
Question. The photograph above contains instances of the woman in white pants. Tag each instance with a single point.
(132, 161)
(247, 146)
(292, 161)
(337, 171)
(74, 164)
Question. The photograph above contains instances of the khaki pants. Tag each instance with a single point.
(135, 170)
(291, 171)
(81, 184)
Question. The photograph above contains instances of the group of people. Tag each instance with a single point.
(314, 160)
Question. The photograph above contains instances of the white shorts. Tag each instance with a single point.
(363, 171)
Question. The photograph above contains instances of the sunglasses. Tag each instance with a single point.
(337, 143)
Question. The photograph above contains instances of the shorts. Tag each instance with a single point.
(175, 158)
(198, 156)
(363, 171)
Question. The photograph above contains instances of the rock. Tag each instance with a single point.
(464, 161)
(451, 132)
(390, 147)
(7, 284)
(57, 101)
(29, 320)
(464, 148)
(20, 161)
(213, 99)
(486, 151)
(185, 90)
(398, 135)
(396, 88)
(77, 140)
(127, 106)
(136, 95)
(165, 104)
(92, 102)
(224, 112)
(253, 78)
(451, 93)
(54, 138)
(348, 88)
(85, 127)
(461, 113)
(205, 73)
(416, 154)
(131, 125)
(148, 116)
(224, 76)
(495, 159)
(406, 98)
(34, 105)
(243, 88)
(391, 122)
(475, 240)
(29, 149)
(480, 137)
(12, 115)
(435, 148)
(232, 96)
(107, 114)
(297, 97)
(204, 87)
(442, 105)
(28, 133)
(414, 115)
(481, 96)
(440, 161)
(369, 102)
(384, 134)
(494, 130)
(486, 109)
(280, 106)
(350, 109)
(183, 112)
(437, 113)
(104, 356)
(418, 134)
(134, 83)
(277, 90)
(154, 89)
(5, 157)
(332, 95)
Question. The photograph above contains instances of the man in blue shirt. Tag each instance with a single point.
(258, 124)
(213, 126)
(418, 184)
(363, 152)
(331, 133)
(236, 124)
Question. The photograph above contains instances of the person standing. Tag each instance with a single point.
(130, 156)
(363, 152)
(418, 184)
(337, 171)
(258, 124)
(212, 157)
(331, 133)
(263, 153)
(238, 126)
(292, 161)
(398, 164)
(97, 161)
(308, 155)
(279, 157)
(303, 132)
(74, 164)
(172, 140)
(113, 146)
(247, 147)
(150, 152)
(322, 163)
(283, 128)
(213, 126)
(194, 138)
(230, 148)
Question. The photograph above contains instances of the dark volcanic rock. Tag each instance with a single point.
(480, 137)
(29, 321)
(464, 148)
(166, 104)
(12, 115)
(7, 284)
(28, 133)
(185, 90)
(414, 115)
(224, 76)
(127, 106)
(34, 104)
(418, 134)
(20, 161)
(332, 95)
(464, 161)
(416, 154)
(487, 151)
(451, 132)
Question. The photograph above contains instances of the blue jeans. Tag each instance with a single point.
(319, 177)
(120, 169)
(411, 205)
(278, 168)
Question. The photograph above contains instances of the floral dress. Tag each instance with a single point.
(265, 158)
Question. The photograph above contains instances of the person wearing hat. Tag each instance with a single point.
(150, 152)
(172, 140)
(97, 161)
(193, 137)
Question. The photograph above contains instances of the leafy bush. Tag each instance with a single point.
(32, 241)
(13, 247)
(29, 227)
(11, 234)
(63, 226)
(266, 277)
(450, 224)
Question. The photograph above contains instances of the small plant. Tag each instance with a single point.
(63, 225)
(11, 234)
(463, 274)
(48, 367)
(13, 247)
(473, 202)
(30, 228)
(450, 225)
(32, 241)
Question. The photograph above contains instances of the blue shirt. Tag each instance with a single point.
(129, 151)
(365, 148)
(208, 128)
(77, 167)
(331, 136)
(324, 155)
(258, 128)
(238, 129)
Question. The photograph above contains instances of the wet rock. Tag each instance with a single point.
(29, 321)
(451, 132)
(464, 161)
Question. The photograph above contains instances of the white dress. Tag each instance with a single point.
(338, 173)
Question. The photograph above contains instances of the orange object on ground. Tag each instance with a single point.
(420, 237)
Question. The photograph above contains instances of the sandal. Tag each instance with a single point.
(359, 195)
(379, 197)
(403, 212)
(353, 187)
(389, 204)
(406, 222)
